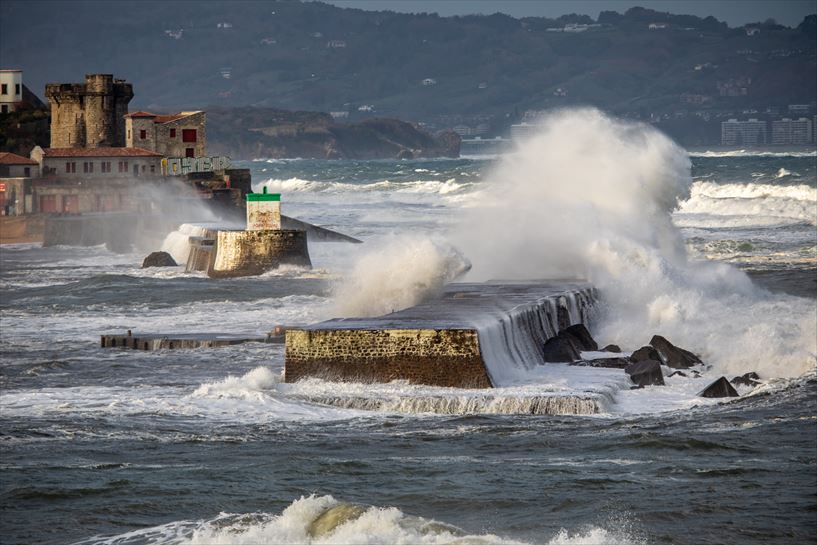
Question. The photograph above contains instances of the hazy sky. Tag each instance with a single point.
(734, 12)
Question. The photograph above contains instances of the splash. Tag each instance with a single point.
(593, 196)
(399, 272)
(304, 521)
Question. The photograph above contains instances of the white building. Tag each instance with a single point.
(523, 130)
(11, 90)
(748, 133)
(791, 131)
(103, 163)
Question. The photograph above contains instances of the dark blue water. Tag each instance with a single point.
(97, 443)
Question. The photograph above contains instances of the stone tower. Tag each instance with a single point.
(90, 114)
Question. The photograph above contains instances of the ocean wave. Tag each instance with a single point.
(752, 153)
(432, 187)
(325, 520)
(752, 204)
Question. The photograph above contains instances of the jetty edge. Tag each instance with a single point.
(474, 335)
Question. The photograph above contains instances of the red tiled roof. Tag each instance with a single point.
(140, 114)
(7, 158)
(167, 118)
(100, 152)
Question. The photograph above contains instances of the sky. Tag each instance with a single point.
(733, 12)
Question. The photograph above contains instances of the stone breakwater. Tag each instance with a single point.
(246, 253)
(471, 336)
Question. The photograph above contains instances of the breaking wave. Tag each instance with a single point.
(591, 196)
(325, 520)
(751, 153)
(431, 187)
(754, 203)
(397, 273)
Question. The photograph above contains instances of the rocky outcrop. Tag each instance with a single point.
(673, 356)
(611, 348)
(719, 388)
(560, 349)
(749, 379)
(159, 259)
(645, 373)
(645, 353)
(580, 337)
(611, 363)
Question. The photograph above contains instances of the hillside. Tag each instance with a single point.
(248, 133)
(314, 56)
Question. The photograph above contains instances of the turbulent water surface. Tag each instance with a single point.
(207, 446)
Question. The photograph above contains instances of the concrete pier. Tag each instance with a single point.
(472, 336)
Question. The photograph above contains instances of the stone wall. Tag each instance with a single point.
(443, 357)
(247, 253)
(176, 147)
(473, 335)
(90, 114)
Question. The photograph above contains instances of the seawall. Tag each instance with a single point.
(247, 253)
(471, 336)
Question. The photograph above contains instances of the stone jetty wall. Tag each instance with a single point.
(472, 336)
(247, 253)
(443, 357)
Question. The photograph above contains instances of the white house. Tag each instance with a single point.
(11, 90)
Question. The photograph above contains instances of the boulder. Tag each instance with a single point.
(159, 259)
(581, 337)
(612, 363)
(645, 353)
(560, 349)
(719, 388)
(611, 348)
(645, 373)
(749, 379)
(673, 356)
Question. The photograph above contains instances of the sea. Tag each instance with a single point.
(715, 250)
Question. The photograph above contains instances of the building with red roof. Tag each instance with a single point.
(176, 135)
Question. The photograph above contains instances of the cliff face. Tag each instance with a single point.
(265, 132)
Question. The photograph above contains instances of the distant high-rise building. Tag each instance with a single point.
(743, 133)
(796, 132)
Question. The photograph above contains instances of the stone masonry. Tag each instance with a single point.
(90, 114)
(443, 357)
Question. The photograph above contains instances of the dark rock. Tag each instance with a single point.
(560, 349)
(679, 373)
(582, 338)
(645, 353)
(749, 379)
(159, 259)
(612, 363)
(645, 373)
(719, 388)
(673, 356)
(611, 348)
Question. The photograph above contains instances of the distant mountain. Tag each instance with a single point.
(314, 56)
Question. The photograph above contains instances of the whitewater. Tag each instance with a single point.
(715, 251)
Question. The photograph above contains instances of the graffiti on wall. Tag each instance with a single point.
(178, 166)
